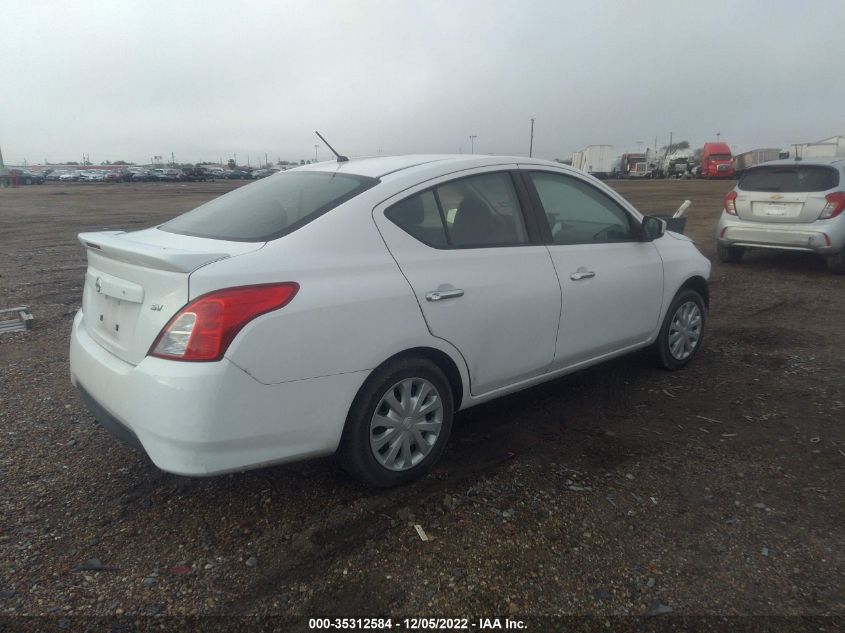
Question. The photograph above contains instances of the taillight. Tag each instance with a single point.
(730, 203)
(203, 329)
(835, 205)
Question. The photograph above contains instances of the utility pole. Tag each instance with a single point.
(472, 138)
(531, 142)
(266, 162)
(172, 159)
(718, 134)
(316, 147)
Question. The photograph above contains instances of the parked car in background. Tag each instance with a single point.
(69, 176)
(787, 205)
(26, 177)
(140, 175)
(92, 175)
(716, 161)
(258, 174)
(169, 175)
(353, 307)
(198, 174)
(116, 176)
(238, 174)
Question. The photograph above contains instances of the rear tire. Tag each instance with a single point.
(730, 254)
(376, 453)
(836, 262)
(682, 331)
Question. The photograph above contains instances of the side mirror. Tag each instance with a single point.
(653, 227)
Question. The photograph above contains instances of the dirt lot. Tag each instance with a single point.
(715, 490)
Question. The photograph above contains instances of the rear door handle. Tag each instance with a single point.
(582, 274)
(437, 295)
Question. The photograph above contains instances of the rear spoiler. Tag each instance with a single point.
(118, 245)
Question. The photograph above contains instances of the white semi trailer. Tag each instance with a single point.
(597, 160)
(749, 159)
(830, 147)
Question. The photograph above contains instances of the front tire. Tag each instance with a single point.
(398, 424)
(682, 331)
(730, 254)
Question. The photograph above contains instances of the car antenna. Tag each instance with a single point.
(340, 159)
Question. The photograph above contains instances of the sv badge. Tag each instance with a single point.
(156, 307)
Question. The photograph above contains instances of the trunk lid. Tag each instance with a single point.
(784, 193)
(135, 282)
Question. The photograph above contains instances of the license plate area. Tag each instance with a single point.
(776, 210)
(108, 315)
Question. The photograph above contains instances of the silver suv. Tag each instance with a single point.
(789, 205)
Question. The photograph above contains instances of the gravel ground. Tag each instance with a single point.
(619, 491)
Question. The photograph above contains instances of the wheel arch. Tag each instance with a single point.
(699, 284)
(444, 362)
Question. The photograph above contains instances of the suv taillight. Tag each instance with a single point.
(835, 205)
(730, 203)
(203, 329)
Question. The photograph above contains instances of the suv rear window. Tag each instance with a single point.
(271, 207)
(790, 178)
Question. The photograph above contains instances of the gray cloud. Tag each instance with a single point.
(206, 79)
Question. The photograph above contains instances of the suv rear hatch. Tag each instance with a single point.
(135, 282)
(785, 193)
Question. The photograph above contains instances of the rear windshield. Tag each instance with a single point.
(271, 207)
(790, 178)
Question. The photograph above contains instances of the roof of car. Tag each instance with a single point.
(380, 166)
(821, 160)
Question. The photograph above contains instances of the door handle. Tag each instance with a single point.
(437, 295)
(582, 274)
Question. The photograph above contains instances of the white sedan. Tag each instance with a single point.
(353, 307)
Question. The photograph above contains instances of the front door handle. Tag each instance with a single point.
(437, 295)
(582, 274)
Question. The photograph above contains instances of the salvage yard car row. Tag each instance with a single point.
(140, 174)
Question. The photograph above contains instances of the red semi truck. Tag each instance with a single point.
(716, 161)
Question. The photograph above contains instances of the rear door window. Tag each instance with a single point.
(271, 207)
(470, 212)
(790, 178)
(482, 211)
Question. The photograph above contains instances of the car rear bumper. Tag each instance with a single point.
(209, 418)
(823, 237)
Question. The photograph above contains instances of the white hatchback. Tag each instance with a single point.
(792, 205)
(353, 307)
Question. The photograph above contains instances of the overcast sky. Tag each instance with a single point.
(123, 79)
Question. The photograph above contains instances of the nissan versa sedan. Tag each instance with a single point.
(354, 307)
(787, 205)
